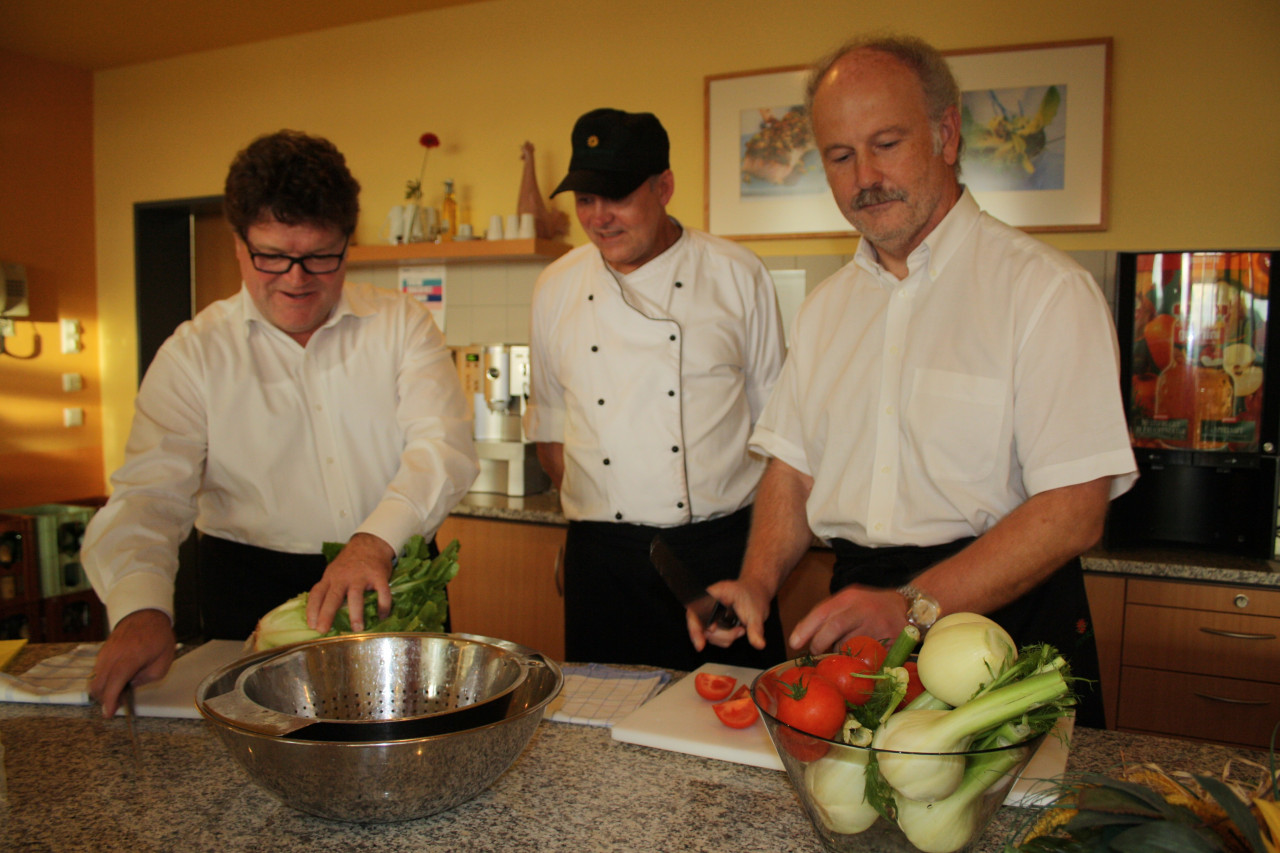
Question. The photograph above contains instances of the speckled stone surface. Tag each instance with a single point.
(70, 783)
(1185, 565)
(536, 509)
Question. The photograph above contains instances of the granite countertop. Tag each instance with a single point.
(1181, 564)
(69, 783)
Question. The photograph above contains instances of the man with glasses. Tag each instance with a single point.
(300, 411)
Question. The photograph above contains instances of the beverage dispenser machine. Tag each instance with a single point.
(1197, 345)
(495, 379)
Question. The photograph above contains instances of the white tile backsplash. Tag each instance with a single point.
(489, 302)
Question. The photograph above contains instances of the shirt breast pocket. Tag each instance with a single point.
(955, 421)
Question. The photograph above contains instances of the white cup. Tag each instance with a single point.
(393, 229)
(464, 231)
(528, 228)
(495, 228)
(512, 228)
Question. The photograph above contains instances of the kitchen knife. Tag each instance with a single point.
(686, 587)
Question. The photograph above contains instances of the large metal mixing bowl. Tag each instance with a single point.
(376, 782)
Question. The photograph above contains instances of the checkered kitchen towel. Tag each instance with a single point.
(599, 695)
(60, 680)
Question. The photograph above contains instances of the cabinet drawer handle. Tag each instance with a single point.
(558, 572)
(1236, 635)
(1231, 701)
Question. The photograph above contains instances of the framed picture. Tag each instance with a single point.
(1035, 120)
(763, 175)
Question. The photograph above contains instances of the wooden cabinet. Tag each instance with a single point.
(1200, 660)
(1106, 609)
(808, 584)
(509, 581)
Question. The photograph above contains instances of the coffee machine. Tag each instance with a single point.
(495, 379)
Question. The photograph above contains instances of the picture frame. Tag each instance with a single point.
(753, 191)
(787, 198)
(1066, 187)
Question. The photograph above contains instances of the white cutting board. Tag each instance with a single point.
(680, 720)
(175, 694)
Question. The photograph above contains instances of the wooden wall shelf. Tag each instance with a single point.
(456, 251)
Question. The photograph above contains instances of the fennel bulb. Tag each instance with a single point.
(837, 788)
(961, 656)
(949, 824)
(418, 601)
(284, 624)
(945, 735)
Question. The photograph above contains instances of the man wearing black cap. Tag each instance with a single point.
(653, 352)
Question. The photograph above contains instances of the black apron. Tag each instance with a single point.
(1055, 612)
(239, 584)
(619, 610)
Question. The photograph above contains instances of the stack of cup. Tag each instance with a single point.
(495, 228)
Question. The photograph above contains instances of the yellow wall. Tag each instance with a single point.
(1193, 123)
(46, 224)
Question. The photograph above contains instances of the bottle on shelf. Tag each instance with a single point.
(449, 213)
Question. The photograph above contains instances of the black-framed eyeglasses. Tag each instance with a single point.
(311, 264)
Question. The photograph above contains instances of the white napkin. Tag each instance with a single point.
(599, 695)
(61, 680)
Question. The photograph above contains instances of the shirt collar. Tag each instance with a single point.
(938, 246)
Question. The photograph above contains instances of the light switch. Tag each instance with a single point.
(73, 417)
(72, 382)
(71, 336)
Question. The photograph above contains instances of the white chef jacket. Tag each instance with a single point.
(258, 440)
(929, 408)
(652, 380)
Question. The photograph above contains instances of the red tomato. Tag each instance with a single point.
(801, 745)
(743, 690)
(714, 687)
(867, 649)
(737, 713)
(914, 687)
(846, 674)
(812, 704)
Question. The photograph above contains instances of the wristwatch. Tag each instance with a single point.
(922, 608)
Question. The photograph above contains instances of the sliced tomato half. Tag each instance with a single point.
(737, 713)
(714, 687)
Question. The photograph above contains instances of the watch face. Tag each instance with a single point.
(924, 611)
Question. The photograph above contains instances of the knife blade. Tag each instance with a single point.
(692, 594)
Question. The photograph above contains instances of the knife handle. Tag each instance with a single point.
(724, 616)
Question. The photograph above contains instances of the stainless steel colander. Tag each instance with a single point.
(369, 781)
(374, 687)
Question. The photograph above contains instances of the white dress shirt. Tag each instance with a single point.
(929, 408)
(652, 380)
(254, 438)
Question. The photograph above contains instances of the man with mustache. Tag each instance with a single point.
(949, 415)
(653, 351)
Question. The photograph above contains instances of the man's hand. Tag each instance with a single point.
(139, 651)
(364, 564)
(853, 611)
(749, 600)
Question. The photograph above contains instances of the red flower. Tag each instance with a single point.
(429, 140)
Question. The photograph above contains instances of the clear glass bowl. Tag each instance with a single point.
(828, 777)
